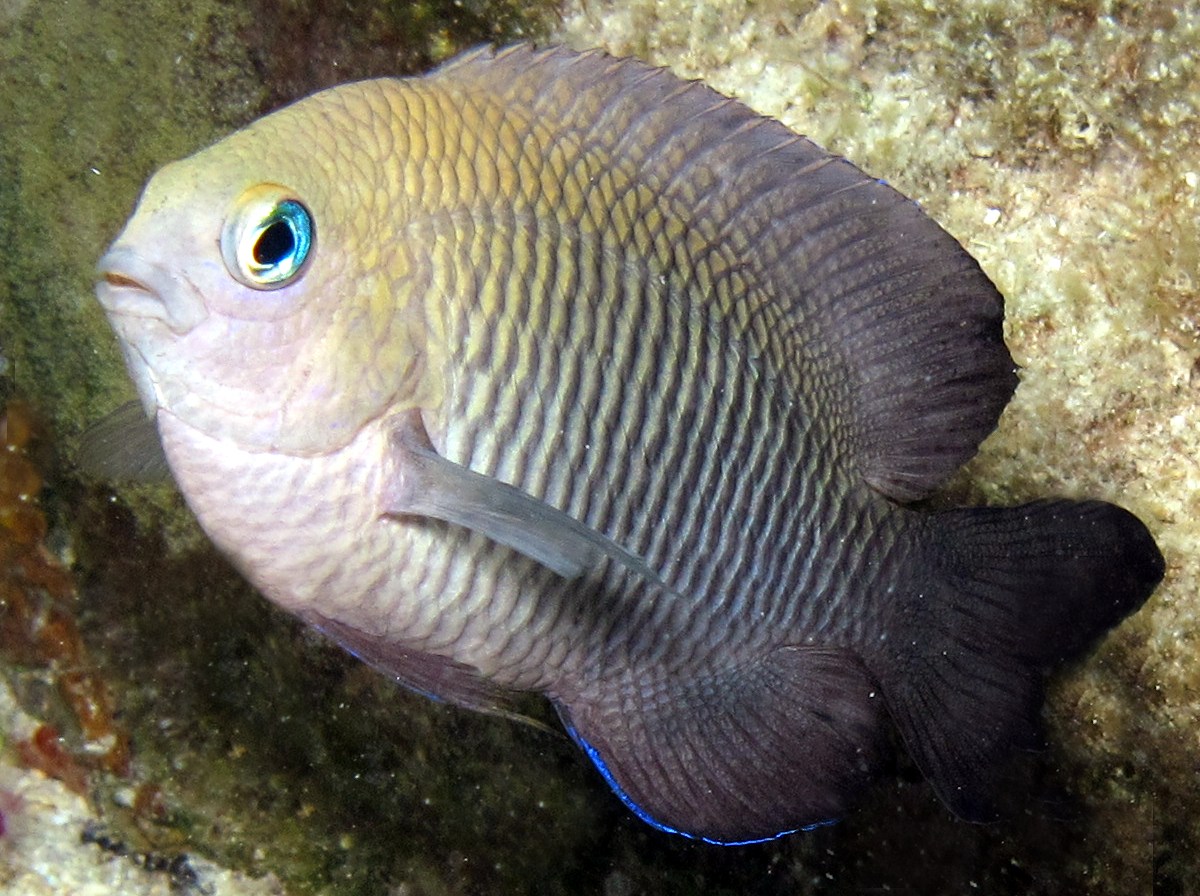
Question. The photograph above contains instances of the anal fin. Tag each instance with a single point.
(744, 755)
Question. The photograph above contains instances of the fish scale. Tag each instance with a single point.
(723, 575)
(550, 371)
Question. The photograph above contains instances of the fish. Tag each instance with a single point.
(549, 371)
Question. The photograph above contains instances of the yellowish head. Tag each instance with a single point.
(259, 288)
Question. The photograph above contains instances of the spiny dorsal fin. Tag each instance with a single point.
(854, 293)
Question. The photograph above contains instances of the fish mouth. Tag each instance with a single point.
(129, 286)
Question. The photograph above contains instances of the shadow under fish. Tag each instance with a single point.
(552, 372)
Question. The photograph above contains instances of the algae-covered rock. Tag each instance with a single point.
(92, 103)
(1059, 142)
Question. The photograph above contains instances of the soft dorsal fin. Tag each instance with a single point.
(429, 485)
(856, 296)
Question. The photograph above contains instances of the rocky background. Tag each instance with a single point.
(163, 730)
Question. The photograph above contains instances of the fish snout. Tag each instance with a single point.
(129, 286)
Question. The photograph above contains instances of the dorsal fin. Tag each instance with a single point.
(856, 295)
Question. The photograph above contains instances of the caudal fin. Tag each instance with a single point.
(1001, 596)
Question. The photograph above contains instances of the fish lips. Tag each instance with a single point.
(133, 289)
(149, 308)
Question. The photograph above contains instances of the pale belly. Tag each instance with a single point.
(313, 536)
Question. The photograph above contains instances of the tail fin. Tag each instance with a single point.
(1002, 595)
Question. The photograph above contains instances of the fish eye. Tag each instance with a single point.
(268, 237)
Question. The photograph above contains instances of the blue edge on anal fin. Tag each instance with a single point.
(594, 755)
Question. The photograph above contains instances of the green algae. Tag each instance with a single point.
(94, 102)
(300, 45)
(91, 106)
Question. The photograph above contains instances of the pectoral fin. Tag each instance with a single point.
(123, 445)
(429, 485)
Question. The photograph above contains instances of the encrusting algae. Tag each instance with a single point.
(85, 747)
(1090, 225)
(37, 621)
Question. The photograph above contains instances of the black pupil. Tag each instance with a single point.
(274, 244)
